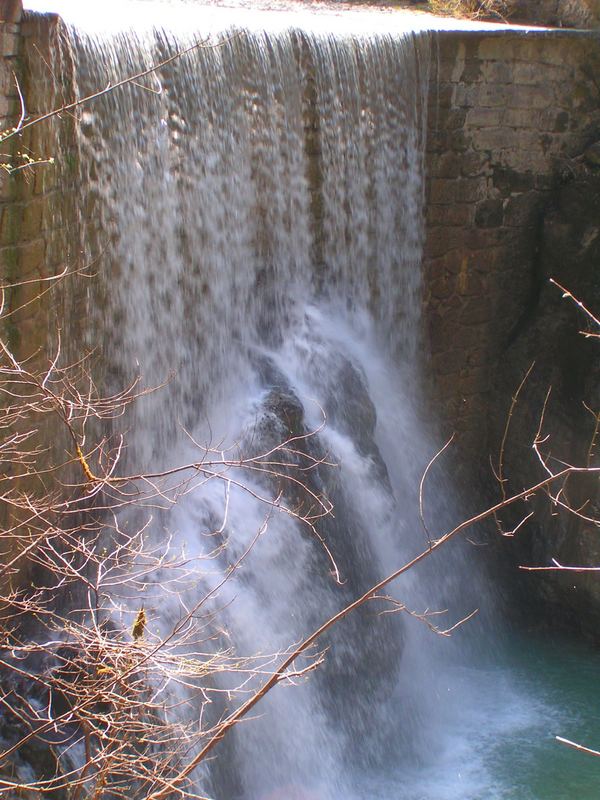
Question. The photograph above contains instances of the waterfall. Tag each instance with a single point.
(257, 229)
(258, 180)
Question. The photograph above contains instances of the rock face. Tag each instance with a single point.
(566, 363)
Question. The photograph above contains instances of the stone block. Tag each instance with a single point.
(508, 181)
(560, 52)
(442, 191)
(32, 220)
(471, 71)
(529, 48)
(474, 163)
(490, 258)
(495, 139)
(531, 74)
(446, 390)
(7, 81)
(465, 95)
(440, 240)
(32, 257)
(462, 190)
(442, 287)
(460, 214)
(12, 215)
(531, 96)
(449, 362)
(442, 141)
(489, 213)
(455, 119)
(497, 72)
(520, 117)
(477, 239)
(472, 282)
(32, 26)
(45, 178)
(464, 337)
(449, 262)
(7, 184)
(449, 48)
(519, 210)
(496, 48)
(529, 161)
(56, 252)
(28, 295)
(557, 122)
(459, 60)
(445, 165)
(8, 106)
(8, 262)
(33, 336)
(51, 206)
(471, 190)
(442, 95)
(484, 117)
(442, 327)
(9, 43)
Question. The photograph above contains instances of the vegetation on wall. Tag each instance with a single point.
(474, 9)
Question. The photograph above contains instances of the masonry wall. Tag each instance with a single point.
(34, 200)
(509, 115)
(36, 231)
(513, 199)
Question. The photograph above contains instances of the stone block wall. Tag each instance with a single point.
(32, 203)
(10, 47)
(508, 112)
(35, 206)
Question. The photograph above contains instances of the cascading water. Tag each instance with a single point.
(258, 207)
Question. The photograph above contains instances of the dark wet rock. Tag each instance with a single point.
(349, 410)
(592, 155)
(350, 405)
(569, 363)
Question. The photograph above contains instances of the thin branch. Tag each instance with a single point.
(422, 483)
(576, 746)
